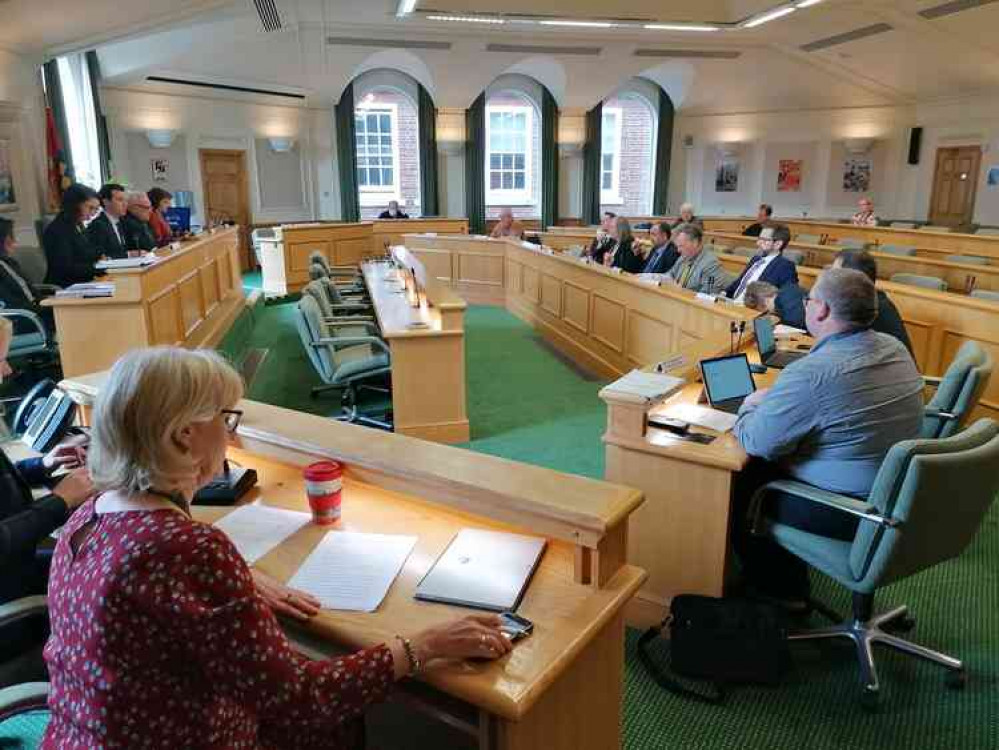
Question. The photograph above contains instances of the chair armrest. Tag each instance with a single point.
(353, 340)
(349, 319)
(27, 606)
(930, 381)
(29, 316)
(938, 413)
(24, 697)
(850, 505)
(46, 290)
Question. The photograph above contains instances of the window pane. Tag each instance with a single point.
(362, 178)
(507, 161)
(518, 181)
(608, 161)
(372, 121)
(385, 123)
(387, 177)
(386, 140)
(518, 161)
(494, 180)
(495, 161)
(507, 181)
(608, 181)
(375, 177)
(519, 144)
(520, 121)
(495, 118)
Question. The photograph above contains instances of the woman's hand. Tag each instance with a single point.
(75, 488)
(69, 454)
(472, 637)
(284, 600)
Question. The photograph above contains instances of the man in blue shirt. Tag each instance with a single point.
(828, 420)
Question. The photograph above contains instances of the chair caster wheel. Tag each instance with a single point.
(957, 680)
(870, 700)
(901, 625)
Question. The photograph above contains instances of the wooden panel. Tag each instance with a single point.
(576, 300)
(551, 295)
(532, 285)
(437, 262)
(165, 321)
(192, 308)
(514, 277)
(480, 268)
(351, 252)
(224, 185)
(648, 338)
(209, 286)
(608, 318)
(921, 336)
(298, 253)
(223, 276)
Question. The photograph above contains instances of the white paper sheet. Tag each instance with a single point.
(640, 387)
(353, 571)
(701, 416)
(256, 529)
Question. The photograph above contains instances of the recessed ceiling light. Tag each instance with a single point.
(807, 3)
(769, 16)
(680, 27)
(582, 24)
(405, 7)
(466, 19)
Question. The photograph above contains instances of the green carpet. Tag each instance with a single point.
(526, 403)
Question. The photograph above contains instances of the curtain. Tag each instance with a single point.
(475, 165)
(591, 166)
(428, 154)
(346, 154)
(549, 160)
(664, 149)
(103, 137)
(60, 158)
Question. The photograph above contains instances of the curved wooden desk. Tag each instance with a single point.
(562, 687)
(190, 298)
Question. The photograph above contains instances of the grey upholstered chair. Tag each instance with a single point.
(902, 224)
(988, 294)
(896, 249)
(914, 279)
(342, 358)
(745, 252)
(973, 260)
(851, 243)
(334, 305)
(812, 239)
(903, 530)
(957, 393)
(795, 256)
(23, 694)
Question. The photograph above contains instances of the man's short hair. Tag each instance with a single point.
(107, 190)
(664, 228)
(757, 294)
(850, 294)
(781, 234)
(692, 231)
(859, 260)
(767, 209)
(610, 215)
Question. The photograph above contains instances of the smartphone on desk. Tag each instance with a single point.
(515, 627)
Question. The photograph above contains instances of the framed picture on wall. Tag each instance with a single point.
(789, 176)
(8, 196)
(856, 175)
(992, 180)
(161, 169)
(727, 176)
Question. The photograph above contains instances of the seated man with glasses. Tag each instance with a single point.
(828, 420)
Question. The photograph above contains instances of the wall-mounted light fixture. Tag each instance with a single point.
(858, 145)
(160, 138)
(281, 145)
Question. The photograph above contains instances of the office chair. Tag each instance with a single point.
(904, 250)
(24, 691)
(902, 224)
(345, 272)
(745, 252)
(334, 313)
(903, 530)
(974, 260)
(850, 243)
(812, 239)
(795, 256)
(957, 393)
(914, 279)
(343, 359)
(987, 294)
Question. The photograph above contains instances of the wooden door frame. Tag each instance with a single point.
(974, 183)
(245, 256)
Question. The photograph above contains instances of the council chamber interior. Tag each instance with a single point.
(466, 374)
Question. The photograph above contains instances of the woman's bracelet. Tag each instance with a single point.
(414, 663)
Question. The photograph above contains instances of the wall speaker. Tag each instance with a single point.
(915, 142)
(688, 141)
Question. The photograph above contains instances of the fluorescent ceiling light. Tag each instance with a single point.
(466, 19)
(681, 27)
(769, 16)
(582, 24)
(807, 3)
(405, 7)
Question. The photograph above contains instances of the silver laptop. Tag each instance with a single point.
(483, 569)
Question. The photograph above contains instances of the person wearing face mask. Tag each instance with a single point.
(68, 252)
(138, 233)
(105, 232)
(159, 626)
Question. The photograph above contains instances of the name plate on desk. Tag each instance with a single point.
(707, 298)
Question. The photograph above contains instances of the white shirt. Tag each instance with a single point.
(114, 225)
(754, 274)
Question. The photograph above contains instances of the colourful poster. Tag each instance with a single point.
(789, 176)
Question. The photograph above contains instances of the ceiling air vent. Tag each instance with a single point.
(949, 9)
(533, 49)
(849, 36)
(701, 54)
(268, 13)
(347, 41)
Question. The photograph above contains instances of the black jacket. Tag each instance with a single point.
(17, 293)
(69, 254)
(661, 259)
(23, 522)
(889, 321)
(599, 248)
(138, 234)
(626, 259)
(790, 305)
(104, 239)
(387, 215)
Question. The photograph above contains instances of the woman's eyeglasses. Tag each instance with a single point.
(231, 418)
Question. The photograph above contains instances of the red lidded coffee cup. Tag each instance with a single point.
(324, 484)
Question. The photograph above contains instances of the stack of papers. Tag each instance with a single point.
(702, 416)
(91, 289)
(642, 387)
(257, 529)
(783, 331)
(143, 260)
(353, 571)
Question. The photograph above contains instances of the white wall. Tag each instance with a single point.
(205, 122)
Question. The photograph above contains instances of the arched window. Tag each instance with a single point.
(627, 152)
(387, 141)
(513, 147)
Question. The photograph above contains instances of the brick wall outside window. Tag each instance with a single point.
(637, 157)
(409, 155)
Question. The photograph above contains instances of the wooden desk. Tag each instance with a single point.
(190, 298)
(472, 265)
(559, 689)
(428, 364)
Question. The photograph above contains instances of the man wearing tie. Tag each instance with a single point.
(697, 269)
(767, 265)
(664, 254)
(106, 233)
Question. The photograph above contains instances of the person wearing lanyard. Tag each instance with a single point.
(768, 265)
(105, 232)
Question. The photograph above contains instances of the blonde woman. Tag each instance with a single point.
(159, 634)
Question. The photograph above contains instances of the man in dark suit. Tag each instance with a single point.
(787, 303)
(664, 253)
(69, 254)
(604, 241)
(763, 215)
(393, 212)
(139, 235)
(888, 320)
(767, 265)
(106, 233)
(16, 292)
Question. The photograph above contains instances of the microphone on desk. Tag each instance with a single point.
(732, 330)
(742, 329)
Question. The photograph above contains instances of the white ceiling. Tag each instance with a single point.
(917, 60)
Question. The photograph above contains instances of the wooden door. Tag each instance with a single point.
(955, 183)
(223, 180)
